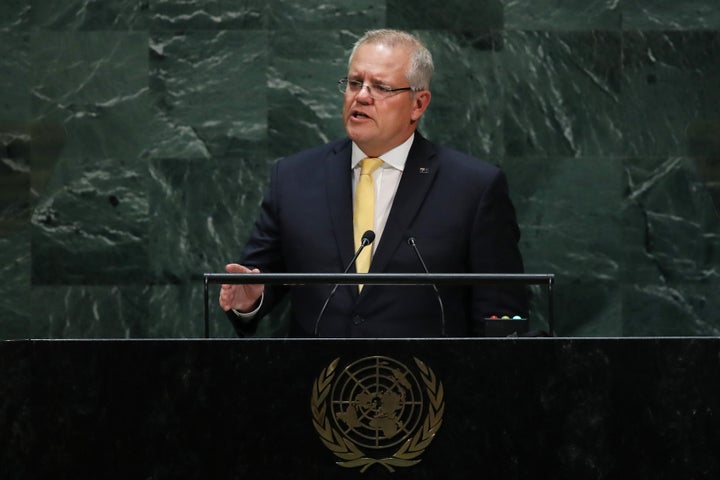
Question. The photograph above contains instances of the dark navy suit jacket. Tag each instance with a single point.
(458, 209)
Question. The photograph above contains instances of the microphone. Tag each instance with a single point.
(411, 242)
(367, 238)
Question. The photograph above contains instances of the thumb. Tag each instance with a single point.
(235, 268)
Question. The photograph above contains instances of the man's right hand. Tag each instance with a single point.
(242, 298)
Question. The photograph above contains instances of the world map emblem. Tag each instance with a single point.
(377, 410)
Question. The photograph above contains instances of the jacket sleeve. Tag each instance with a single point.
(263, 251)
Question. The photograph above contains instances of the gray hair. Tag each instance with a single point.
(421, 63)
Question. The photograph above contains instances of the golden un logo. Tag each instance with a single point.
(376, 410)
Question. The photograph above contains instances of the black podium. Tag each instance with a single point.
(643, 408)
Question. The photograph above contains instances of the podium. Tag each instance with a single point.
(518, 408)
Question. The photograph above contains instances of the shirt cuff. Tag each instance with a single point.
(249, 315)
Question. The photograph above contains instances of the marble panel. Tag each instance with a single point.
(202, 213)
(304, 104)
(670, 15)
(672, 237)
(177, 311)
(15, 296)
(14, 94)
(670, 309)
(208, 92)
(14, 177)
(15, 16)
(323, 15)
(14, 195)
(92, 311)
(670, 91)
(14, 134)
(562, 15)
(90, 97)
(673, 227)
(562, 94)
(466, 109)
(452, 15)
(185, 15)
(85, 15)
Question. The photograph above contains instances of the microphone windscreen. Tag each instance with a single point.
(368, 237)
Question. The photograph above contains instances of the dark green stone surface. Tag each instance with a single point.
(136, 139)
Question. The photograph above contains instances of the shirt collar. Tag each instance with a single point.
(394, 158)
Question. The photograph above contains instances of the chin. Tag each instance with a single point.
(354, 135)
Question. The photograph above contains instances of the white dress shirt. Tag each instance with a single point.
(385, 180)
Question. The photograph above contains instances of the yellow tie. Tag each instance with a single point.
(364, 211)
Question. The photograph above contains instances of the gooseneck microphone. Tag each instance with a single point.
(367, 238)
(411, 242)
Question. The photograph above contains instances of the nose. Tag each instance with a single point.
(364, 94)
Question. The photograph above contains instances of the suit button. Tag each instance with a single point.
(357, 319)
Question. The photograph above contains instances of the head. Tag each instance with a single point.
(392, 59)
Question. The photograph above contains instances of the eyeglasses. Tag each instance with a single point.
(378, 92)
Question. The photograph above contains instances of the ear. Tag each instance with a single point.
(420, 104)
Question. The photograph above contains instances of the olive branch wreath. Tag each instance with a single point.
(408, 453)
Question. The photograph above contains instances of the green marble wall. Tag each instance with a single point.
(136, 137)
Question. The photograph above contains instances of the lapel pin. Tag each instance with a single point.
(424, 170)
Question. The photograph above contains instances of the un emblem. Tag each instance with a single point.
(376, 410)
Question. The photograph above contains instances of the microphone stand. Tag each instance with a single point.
(367, 238)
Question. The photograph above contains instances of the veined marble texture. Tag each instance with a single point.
(136, 139)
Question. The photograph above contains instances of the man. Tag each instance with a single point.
(455, 207)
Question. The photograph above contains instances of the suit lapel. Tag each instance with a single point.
(339, 197)
(418, 175)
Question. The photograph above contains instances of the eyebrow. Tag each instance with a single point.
(372, 80)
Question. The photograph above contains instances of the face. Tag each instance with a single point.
(379, 125)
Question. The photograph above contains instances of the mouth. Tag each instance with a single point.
(358, 115)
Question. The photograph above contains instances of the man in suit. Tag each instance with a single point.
(455, 207)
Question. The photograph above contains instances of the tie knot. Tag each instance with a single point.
(369, 165)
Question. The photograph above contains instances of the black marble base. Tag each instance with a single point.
(510, 408)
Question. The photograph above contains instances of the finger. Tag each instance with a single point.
(235, 268)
